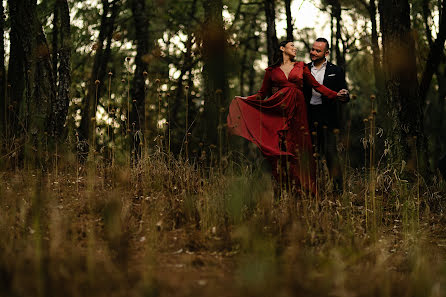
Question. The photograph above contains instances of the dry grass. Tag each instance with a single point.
(170, 228)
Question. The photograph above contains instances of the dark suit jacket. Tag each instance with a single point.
(334, 79)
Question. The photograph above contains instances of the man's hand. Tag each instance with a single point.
(343, 95)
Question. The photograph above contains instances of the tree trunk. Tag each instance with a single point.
(185, 68)
(434, 56)
(289, 21)
(434, 117)
(244, 63)
(252, 72)
(403, 104)
(39, 86)
(243, 70)
(3, 101)
(62, 62)
(55, 41)
(16, 71)
(214, 73)
(100, 63)
(377, 67)
(271, 37)
(439, 147)
(426, 14)
(138, 90)
(337, 13)
(180, 93)
(332, 35)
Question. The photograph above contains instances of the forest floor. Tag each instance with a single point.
(123, 232)
(182, 272)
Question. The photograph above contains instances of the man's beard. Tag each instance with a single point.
(318, 59)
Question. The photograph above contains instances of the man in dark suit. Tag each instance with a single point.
(323, 113)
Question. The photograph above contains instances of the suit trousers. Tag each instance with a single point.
(325, 140)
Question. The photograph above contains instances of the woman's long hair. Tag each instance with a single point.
(279, 54)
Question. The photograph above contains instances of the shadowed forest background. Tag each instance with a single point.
(118, 178)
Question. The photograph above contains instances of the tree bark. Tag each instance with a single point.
(337, 13)
(439, 146)
(426, 14)
(332, 35)
(138, 90)
(289, 21)
(403, 105)
(252, 72)
(376, 53)
(3, 101)
(63, 68)
(271, 36)
(434, 57)
(377, 67)
(244, 46)
(55, 41)
(39, 90)
(434, 117)
(100, 63)
(16, 70)
(179, 103)
(214, 72)
(243, 70)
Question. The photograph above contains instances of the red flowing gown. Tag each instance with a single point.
(278, 125)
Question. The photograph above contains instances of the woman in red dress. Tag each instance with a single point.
(278, 125)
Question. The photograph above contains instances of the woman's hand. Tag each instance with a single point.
(343, 95)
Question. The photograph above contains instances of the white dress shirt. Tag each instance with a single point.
(316, 98)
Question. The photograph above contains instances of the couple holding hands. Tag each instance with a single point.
(296, 101)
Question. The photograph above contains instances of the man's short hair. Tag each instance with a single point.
(322, 39)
